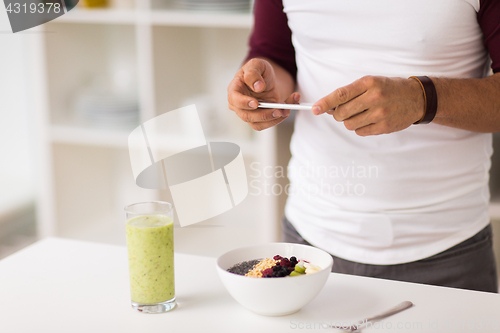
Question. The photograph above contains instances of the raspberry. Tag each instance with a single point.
(277, 257)
(267, 271)
(285, 262)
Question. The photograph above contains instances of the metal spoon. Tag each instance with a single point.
(398, 308)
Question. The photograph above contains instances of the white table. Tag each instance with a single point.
(67, 286)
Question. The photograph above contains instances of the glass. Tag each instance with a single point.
(150, 244)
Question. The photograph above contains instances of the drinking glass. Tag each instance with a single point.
(150, 244)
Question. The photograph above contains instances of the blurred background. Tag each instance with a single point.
(72, 90)
(17, 164)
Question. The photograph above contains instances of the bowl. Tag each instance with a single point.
(274, 296)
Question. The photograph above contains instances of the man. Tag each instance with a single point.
(411, 204)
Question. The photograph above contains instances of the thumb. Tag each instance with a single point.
(258, 75)
(293, 98)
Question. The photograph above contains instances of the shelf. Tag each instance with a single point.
(104, 137)
(201, 19)
(110, 16)
(118, 138)
(159, 17)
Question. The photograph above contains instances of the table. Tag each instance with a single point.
(60, 285)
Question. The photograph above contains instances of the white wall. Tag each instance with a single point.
(16, 169)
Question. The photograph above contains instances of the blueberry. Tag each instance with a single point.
(285, 263)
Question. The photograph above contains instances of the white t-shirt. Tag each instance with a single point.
(393, 198)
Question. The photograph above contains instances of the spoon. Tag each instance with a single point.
(398, 308)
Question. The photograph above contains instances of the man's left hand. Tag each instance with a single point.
(375, 105)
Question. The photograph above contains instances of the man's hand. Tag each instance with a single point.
(256, 81)
(375, 105)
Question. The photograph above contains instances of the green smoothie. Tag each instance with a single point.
(150, 243)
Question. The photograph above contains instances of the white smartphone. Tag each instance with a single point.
(285, 106)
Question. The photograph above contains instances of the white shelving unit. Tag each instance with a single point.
(84, 171)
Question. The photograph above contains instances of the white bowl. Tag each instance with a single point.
(274, 296)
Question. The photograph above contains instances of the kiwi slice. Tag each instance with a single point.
(300, 270)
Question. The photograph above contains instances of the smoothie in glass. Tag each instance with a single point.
(150, 243)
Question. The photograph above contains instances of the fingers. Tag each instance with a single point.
(292, 99)
(352, 108)
(373, 129)
(245, 106)
(260, 119)
(257, 115)
(266, 125)
(343, 95)
(250, 83)
(238, 95)
(358, 121)
(254, 82)
(258, 75)
(374, 105)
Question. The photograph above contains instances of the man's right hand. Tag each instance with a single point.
(255, 82)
